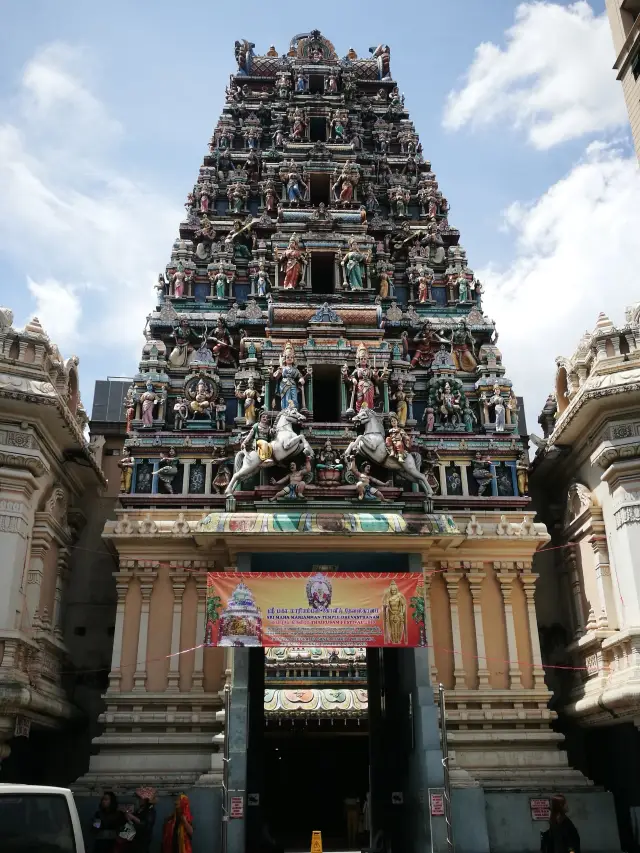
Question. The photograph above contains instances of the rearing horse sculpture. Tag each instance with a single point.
(371, 445)
(285, 446)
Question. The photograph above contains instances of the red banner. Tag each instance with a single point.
(341, 609)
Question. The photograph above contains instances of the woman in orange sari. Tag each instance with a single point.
(178, 828)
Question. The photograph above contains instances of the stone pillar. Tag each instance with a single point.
(308, 384)
(123, 580)
(40, 545)
(464, 477)
(237, 725)
(429, 571)
(528, 579)
(571, 562)
(178, 579)
(17, 486)
(452, 579)
(443, 478)
(208, 477)
(185, 477)
(197, 683)
(506, 576)
(608, 617)
(146, 588)
(475, 576)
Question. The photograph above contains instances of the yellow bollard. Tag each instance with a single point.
(316, 841)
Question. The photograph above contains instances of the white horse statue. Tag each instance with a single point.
(284, 446)
(371, 445)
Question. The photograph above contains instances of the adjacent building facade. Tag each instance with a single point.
(586, 485)
(50, 486)
(624, 17)
(320, 389)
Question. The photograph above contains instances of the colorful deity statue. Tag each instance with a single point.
(424, 278)
(400, 398)
(259, 438)
(296, 187)
(251, 398)
(149, 400)
(353, 262)
(220, 282)
(129, 406)
(426, 341)
(366, 483)
(294, 483)
(238, 240)
(293, 261)
(126, 465)
(449, 405)
(329, 467)
(497, 401)
(186, 341)
(394, 616)
(398, 441)
(289, 379)
(222, 344)
(464, 348)
(364, 380)
(180, 413)
(167, 470)
(201, 403)
(382, 55)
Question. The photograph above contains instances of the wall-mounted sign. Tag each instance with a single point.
(436, 803)
(540, 808)
(236, 807)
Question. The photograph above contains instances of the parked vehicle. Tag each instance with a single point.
(39, 819)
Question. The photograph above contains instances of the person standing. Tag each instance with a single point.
(562, 835)
(352, 814)
(178, 828)
(106, 824)
(143, 819)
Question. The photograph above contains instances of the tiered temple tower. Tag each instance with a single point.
(318, 325)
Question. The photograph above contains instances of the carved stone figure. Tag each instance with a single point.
(221, 414)
(329, 467)
(400, 398)
(149, 400)
(186, 341)
(394, 616)
(201, 404)
(220, 282)
(180, 413)
(293, 261)
(366, 483)
(222, 344)
(398, 441)
(251, 398)
(289, 379)
(126, 465)
(522, 473)
(167, 470)
(352, 263)
(294, 483)
(364, 380)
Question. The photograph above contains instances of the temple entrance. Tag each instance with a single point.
(318, 779)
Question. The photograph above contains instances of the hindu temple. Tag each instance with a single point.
(321, 391)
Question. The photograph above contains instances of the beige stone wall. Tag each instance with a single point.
(626, 39)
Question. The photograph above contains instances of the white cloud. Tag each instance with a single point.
(59, 309)
(577, 253)
(90, 239)
(553, 79)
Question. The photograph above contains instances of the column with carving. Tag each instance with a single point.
(571, 562)
(475, 577)
(178, 580)
(147, 579)
(452, 579)
(506, 574)
(197, 683)
(62, 575)
(528, 579)
(428, 573)
(608, 617)
(123, 579)
(40, 545)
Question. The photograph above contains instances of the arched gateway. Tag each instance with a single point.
(320, 394)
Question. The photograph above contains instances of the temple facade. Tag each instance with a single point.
(50, 489)
(320, 389)
(586, 486)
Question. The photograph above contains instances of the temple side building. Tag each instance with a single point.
(50, 491)
(586, 486)
(624, 17)
(320, 390)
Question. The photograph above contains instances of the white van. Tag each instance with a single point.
(39, 819)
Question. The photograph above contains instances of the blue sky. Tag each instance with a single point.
(105, 113)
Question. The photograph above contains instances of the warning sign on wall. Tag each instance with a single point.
(436, 801)
(236, 808)
(540, 808)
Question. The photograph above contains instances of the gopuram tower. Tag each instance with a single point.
(321, 390)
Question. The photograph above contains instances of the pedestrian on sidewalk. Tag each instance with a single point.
(107, 823)
(562, 835)
(178, 828)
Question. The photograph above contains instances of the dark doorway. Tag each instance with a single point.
(318, 129)
(322, 273)
(326, 393)
(320, 189)
(311, 774)
(316, 84)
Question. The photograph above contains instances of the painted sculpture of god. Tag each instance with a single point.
(394, 616)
